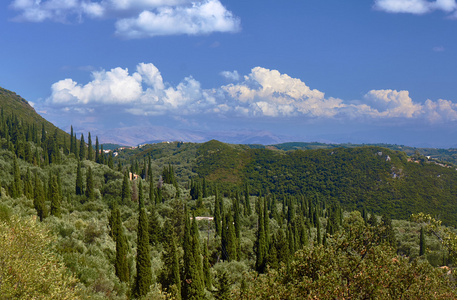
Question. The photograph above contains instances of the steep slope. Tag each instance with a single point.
(11, 103)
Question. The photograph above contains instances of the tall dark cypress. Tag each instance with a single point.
(247, 202)
(388, 234)
(121, 265)
(90, 150)
(207, 268)
(152, 192)
(231, 239)
(125, 193)
(79, 180)
(143, 279)
(101, 159)
(28, 185)
(217, 214)
(97, 150)
(170, 276)
(196, 248)
(193, 287)
(266, 227)
(260, 242)
(43, 134)
(55, 197)
(90, 187)
(82, 148)
(71, 141)
(422, 242)
(155, 230)
(237, 224)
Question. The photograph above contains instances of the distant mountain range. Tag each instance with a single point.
(132, 136)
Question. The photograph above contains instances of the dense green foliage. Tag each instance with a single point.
(217, 221)
(443, 155)
(29, 268)
(374, 178)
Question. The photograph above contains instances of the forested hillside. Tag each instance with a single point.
(374, 178)
(217, 221)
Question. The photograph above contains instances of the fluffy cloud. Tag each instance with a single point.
(140, 93)
(261, 93)
(391, 103)
(441, 110)
(415, 6)
(270, 93)
(200, 18)
(136, 18)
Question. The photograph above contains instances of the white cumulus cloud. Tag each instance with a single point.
(140, 93)
(200, 18)
(391, 103)
(261, 93)
(135, 18)
(415, 6)
(270, 93)
(441, 110)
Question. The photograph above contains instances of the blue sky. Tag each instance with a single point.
(333, 71)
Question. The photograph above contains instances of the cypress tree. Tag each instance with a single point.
(97, 148)
(200, 199)
(266, 220)
(170, 277)
(90, 150)
(291, 240)
(422, 246)
(196, 248)
(193, 281)
(231, 239)
(28, 186)
(101, 158)
(260, 242)
(110, 161)
(217, 214)
(71, 141)
(152, 191)
(272, 258)
(82, 148)
(43, 134)
(224, 240)
(125, 193)
(247, 203)
(237, 224)
(39, 198)
(207, 268)
(155, 230)
(79, 180)
(143, 279)
(55, 197)
(282, 247)
(90, 189)
(121, 265)
(388, 234)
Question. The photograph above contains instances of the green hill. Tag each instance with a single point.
(13, 104)
(446, 155)
(375, 178)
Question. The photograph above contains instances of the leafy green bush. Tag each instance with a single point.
(29, 267)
